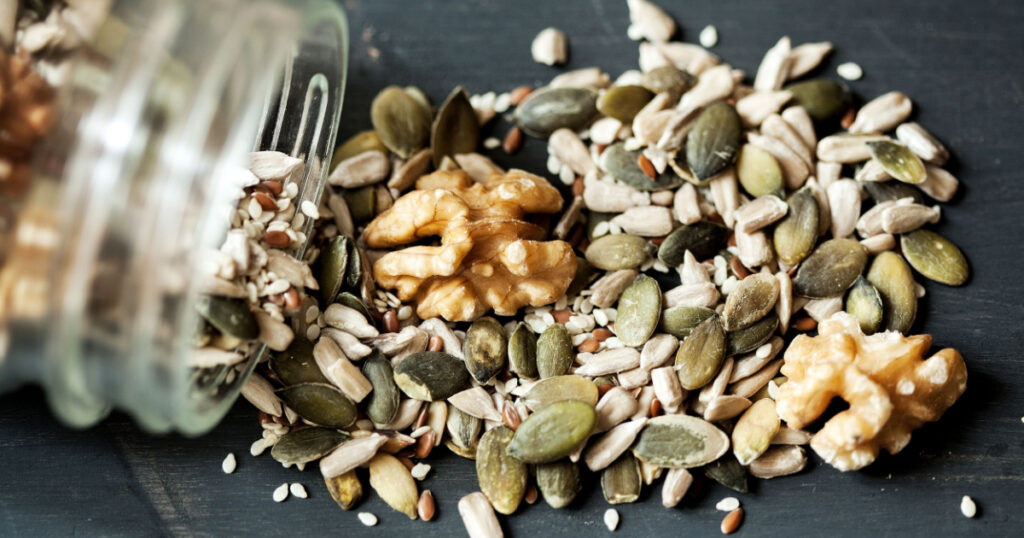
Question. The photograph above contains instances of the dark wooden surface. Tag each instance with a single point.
(960, 61)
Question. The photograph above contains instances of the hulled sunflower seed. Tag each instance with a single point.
(351, 454)
(550, 47)
(566, 145)
(761, 212)
(921, 142)
(779, 461)
(901, 219)
(804, 58)
(847, 148)
(615, 406)
(754, 108)
(607, 448)
(478, 516)
(844, 203)
(774, 67)
(475, 402)
(882, 113)
(650, 21)
(646, 221)
(725, 407)
(794, 169)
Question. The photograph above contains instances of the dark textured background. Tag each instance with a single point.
(960, 61)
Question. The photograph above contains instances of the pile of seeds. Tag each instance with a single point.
(635, 373)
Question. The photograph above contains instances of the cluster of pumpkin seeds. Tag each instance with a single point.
(709, 220)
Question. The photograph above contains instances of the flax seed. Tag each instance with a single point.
(602, 334)
(277, 239)
(425, 507)
(424, 445)
(513, 141)
(805, 324)
(517, 95)
(647, 166)
(435, 344)
(732, 521)
(391, 321)
(589, 346)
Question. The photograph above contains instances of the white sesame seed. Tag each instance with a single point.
(313, 332)
(709, 36)
(312, 313)
(850, 71)
(611, 519)
(561, 303)
(580, 338)
(367, 519)
(773, 390)
(566, 175)
(420, 432)
(291, 190)
(283, 204)
(613, 228)
(277, 226)
(298, 490)
(309, 209)
(586, 306)
(610, 313)
(967, 507)
(491, 142)
(229, 464)
(419, 471)
(404, 313)
(502, 102)
(255, 209)
(299, 221)
(601, 228)
(554, 165)
(281, 493)
(278, 286)
(600, 317)
(728, 504)
(613, 343)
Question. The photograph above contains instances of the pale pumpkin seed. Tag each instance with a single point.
(623, 165)
(553, 431)
(229, 316)
(751, 338)
(864, 303)
(502, 478)
(361, 202)
(885, 191)
(560, 388)
(752, 299)
(679, 321)
(554, 351)
(394, 484)
(701, 354)
(898, 161)
(320, 403)
(559, 482)
(306, 445)
(382, 405)
(935, 257)
(354, 273)
(545, 111)
(729, 473)
(359, 143)
(346, 489)
(360, 274)
(823, 99)
(891, 276)
(468, 453)
(296, 365)
(401, 122)
(463, 429)
(522, 351)
(623, 102)
(680, 441)
(617, 251)
(431, 375)
(714, 140)
(758, 171)
(485, 349)
(796, 234)
(331, 267)
(585, 272)
(754, 431)
(831, 269)
(621, 481)
(638, 311)
(668, 79)
(703, 239)
(455, 129)
(347, 299)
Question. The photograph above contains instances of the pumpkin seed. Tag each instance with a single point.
(729, 473)
(623, 102)
(751, 338)
(758, 171)
(394, 484)
(468, 453)
(714, 140)
(522, 351)
(554, 351)
(935, 257)
(668, 79)
(617, 251)
(621, 481)
(455, 129)
(361, 203)
(754, 431)
(401, 122)
(463, 429)
(360, 275)
(305, 445)
(623, 165)
(485, 349)
(679, 321)
(831, 269)
(553, 432)
(320, 403)
(680, 441)
(359, 143)
(296, 365)
(585, 272)
(701, 354)
(502, 478)
(885, 191)
(229, 316)
(346, 489)
(891, 276)
(331, 267)
(822, 98)
(347, 299)
(796, 234)
(864, 303)
(384, 398)
(703, 239)
(560, 388)
(898, 161)
(752, 299)
(638, 311)
(559, 482)
(545, 111)
(431, 375)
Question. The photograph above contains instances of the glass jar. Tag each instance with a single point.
(134, 182)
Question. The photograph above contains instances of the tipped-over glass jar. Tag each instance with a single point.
(103, 243)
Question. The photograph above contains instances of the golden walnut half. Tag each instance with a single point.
(891, 389)
(488, 257)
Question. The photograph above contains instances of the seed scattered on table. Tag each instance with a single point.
(367, 518)
(229, 464)
(967, 507)
(281, 493)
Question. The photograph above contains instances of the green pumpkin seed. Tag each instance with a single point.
(229, 316)
(468, 453)
(296, 365)
(361, 203)
(864, 303)
(891, 276)
(758, 171)
(400, 121)
(822, 98)
(621, 481)
(714, 140)
(796, 234)
(831, 269)
(752, 299)
(729, 473)
(554, 351)
(679, 321)
(668, 79)
(306, 445)
(884, 191)
(638, 311)
(431, 375)
(561, 388)
(347, 299)
(617, 251)
(559, 482)
(935, 257)
(456, 129)
(585, 272)
(623, 102)
(331, 267)
(485, 349)
(354, 273)
(346, 489)
(900, 163)
(502, 478)
(623, 165)
(420, 98)
(751, 338)
(553, 432)
(359, 143)
(360, 275)
(703, 239)
(463, 429)
(320, 403)
(680, 441)
(701, 354)
(754, 430)
(545, 111)
(522, 351)
(382, 405)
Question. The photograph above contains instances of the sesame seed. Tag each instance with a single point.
(404, 313)
(491, 143)
(309, 209)
(367, 519)
(709, 36)
(850, 71)
(281, 493)
(728, 504)
(229, 464)
(967, 507)
(420, 470)
(611, 519)
(298, 490)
